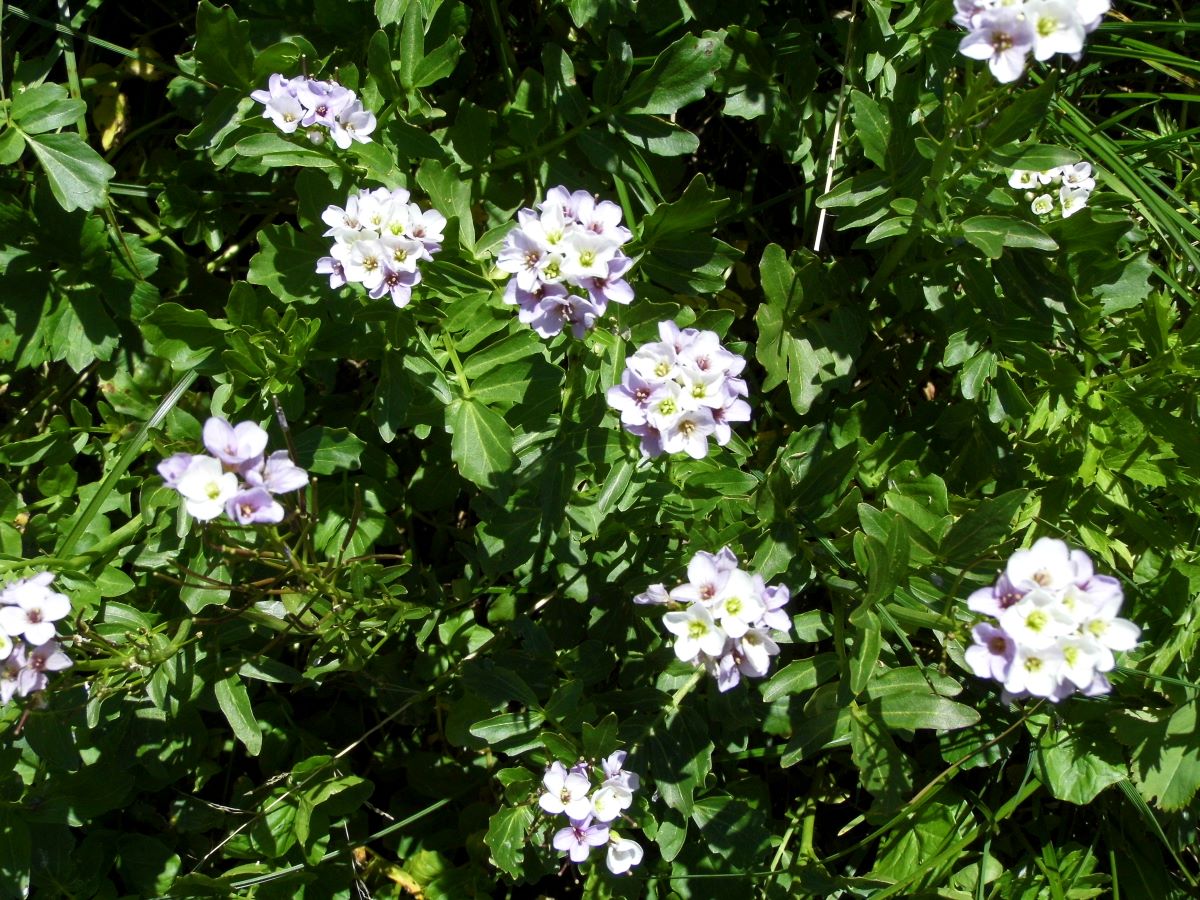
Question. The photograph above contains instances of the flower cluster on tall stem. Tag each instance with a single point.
(723, 618)
(239, 478)
(1006, 32)
(1074, 186)
(592, 809)
(566, 262)
(677, 392)
(379, 239)
(29, 648)
(1054, 625)
(322, 109)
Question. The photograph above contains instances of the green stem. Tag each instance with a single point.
(458, 368)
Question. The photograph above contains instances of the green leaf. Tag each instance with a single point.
(600, 740)
(438, 63)
(1166, 754)
(680, 254)
(506, 838)
(992, 233)
(275, 150)
(510, 732)
(482, 445)
(16, 849)
(183, 337)
(814, 358)
(45, 108)
(379, 64)
(680, 75)
(1077, 762)
(412, 44)
(235, 704)
(866, 653)
(872, 126)
(78, 175)
(801, 675)
(1022, 115)
(982, 529)
(921, 707)
(1032, 157)
(286, 264)
(680, 757)
(324, 451)
(223, 52)
(12, 145)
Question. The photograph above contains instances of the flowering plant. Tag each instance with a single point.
(1054, 628)
(1075, 185)
(28, 611)
(591, 810)
(378, 240)
(566, 262)
(322, 108)
(1004, 33)
(676, 392)
(239, 478)
(724, 619)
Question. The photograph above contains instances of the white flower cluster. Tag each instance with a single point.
(239, 479)
(1005, 32)
(321, 108)
(571, 241)
(729, 620)
(378, 240)
(676, 392)
(1056, 625)
(29, 609)
(1075, 184)
(589, 812)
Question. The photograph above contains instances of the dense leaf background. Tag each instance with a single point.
(364, 700)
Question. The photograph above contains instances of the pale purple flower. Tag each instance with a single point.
(1002, 36)
(689, 432)
(205, 487)
(612, 286)
(353, 123)
(695, 632)
(34, 614)
(631, 398)
(655, 594)
(753, 652)
(623, 854)
(254, 506)
(10, 673)
(327, 265)
(578, 839)
(278, 474)
(525, 257)
(172, 468)
(992, 653)
(323, 101)
(234, 444)
(397, 283)
(566, 792)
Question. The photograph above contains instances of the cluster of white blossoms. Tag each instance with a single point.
(725, 619)
(378, 240)
(1075, 185)
(590, 813)
(1005, 32)
(566, 262)
(1056, 625)
(28, 646)
(676, 392)
(322, 108)
(238, 479)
